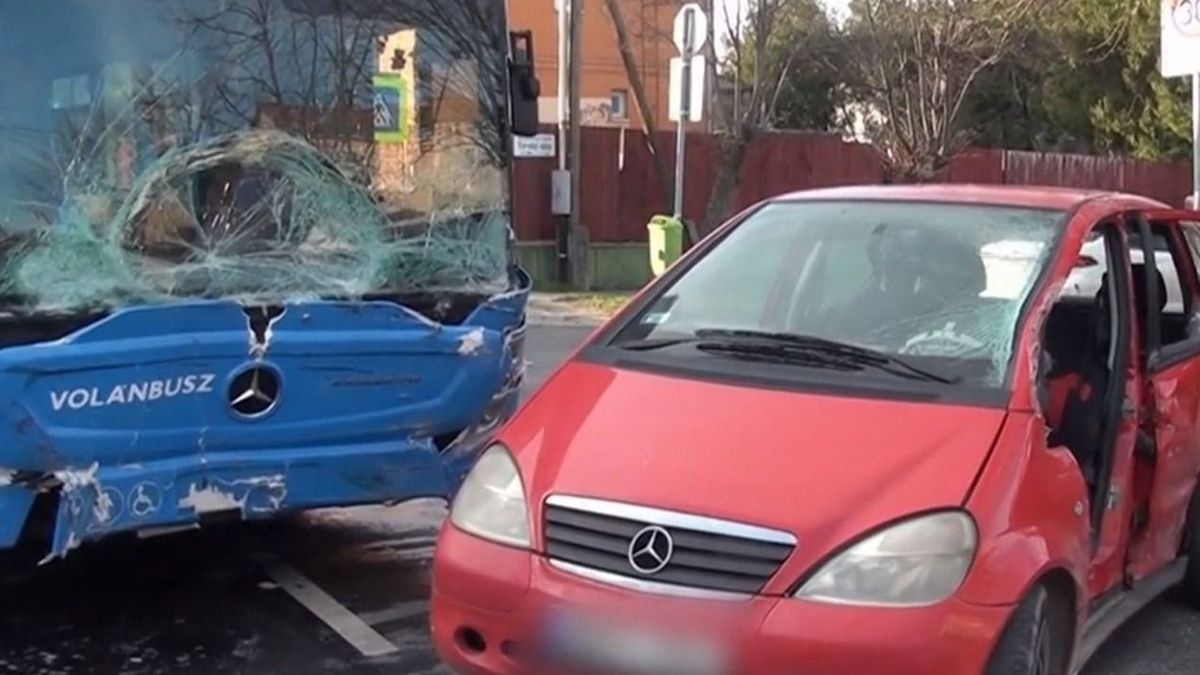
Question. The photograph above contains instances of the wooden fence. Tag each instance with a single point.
(621, 190)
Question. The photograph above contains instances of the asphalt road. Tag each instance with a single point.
(310, 595)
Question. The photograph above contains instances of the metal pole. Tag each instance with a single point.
(562, 220)
(685, 104)
(710, 64)
(563, 60)
(577, 246)
(1196, 141)
(681, 140)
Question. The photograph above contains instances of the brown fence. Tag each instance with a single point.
(621, 190)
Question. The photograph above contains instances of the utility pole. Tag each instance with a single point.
(710, 83)
(577, 246)
(560, 201)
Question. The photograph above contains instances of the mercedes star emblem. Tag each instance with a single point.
(254, 392)
(650, 550)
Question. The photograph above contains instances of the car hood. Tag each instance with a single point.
(823, 467)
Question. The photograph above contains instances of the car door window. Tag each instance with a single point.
(1191, 234)
(1176, 321)
(1090, 267)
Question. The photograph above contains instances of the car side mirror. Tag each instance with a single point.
(524, 87)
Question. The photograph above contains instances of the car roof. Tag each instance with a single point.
(1020, 196)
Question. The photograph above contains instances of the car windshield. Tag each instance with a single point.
(164, 150)
(938, 285)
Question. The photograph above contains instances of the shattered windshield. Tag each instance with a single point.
(160, 150)
(940, 285)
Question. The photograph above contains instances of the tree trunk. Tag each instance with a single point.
(734, 147)
(645, 110)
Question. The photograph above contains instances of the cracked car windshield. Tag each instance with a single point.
(156, 150)
(940, 285)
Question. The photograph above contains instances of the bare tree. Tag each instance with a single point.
(758, 62)
(758, 57)
(913, 64)
(616, 11)
(309, 71)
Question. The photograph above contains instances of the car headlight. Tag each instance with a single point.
(916, 563)
(491, 503)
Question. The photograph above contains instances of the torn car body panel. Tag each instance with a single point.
(159, 416)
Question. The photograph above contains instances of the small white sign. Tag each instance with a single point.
(691, 28)
(696, 99)
(541, 146)
(1180, 38)
(560, 193)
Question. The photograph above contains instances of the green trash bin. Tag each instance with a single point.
(666, 242)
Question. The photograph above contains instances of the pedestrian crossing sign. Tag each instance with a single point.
(392, 100)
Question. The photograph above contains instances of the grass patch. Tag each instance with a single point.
(606, 303)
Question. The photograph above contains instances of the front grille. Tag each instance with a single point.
(707, 556)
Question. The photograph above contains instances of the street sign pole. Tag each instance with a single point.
(666, 233)
(690, 36)
(1196, 141)
(681, 132)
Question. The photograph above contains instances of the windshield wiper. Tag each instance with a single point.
(651, 344)
(812, 351)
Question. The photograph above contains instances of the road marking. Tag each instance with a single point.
(335, 615)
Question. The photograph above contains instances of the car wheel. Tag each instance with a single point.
(1036, 640)
(1189, 590)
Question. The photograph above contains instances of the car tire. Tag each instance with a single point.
(1037, 639)
(1189, 590)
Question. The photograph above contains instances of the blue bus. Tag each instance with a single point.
(256, 257)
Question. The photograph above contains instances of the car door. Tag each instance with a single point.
(1169, 459)
(1085, 303)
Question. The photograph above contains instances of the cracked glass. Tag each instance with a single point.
(259, 150)
(941, 285)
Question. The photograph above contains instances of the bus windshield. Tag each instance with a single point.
(256, 150)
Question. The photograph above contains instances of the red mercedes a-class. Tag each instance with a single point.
(900, 430)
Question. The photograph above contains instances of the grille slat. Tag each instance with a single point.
(702, 560)
(589, 539)
(742, 548)
(722, 563)
(673, 574)
(595, 523)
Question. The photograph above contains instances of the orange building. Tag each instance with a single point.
(606, 96)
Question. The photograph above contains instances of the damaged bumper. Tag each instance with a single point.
(247, 485)
(159, 418)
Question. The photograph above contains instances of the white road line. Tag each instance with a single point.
(335, 615)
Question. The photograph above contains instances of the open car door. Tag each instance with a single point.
(1168, 461)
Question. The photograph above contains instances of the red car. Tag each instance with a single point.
(862, 430)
